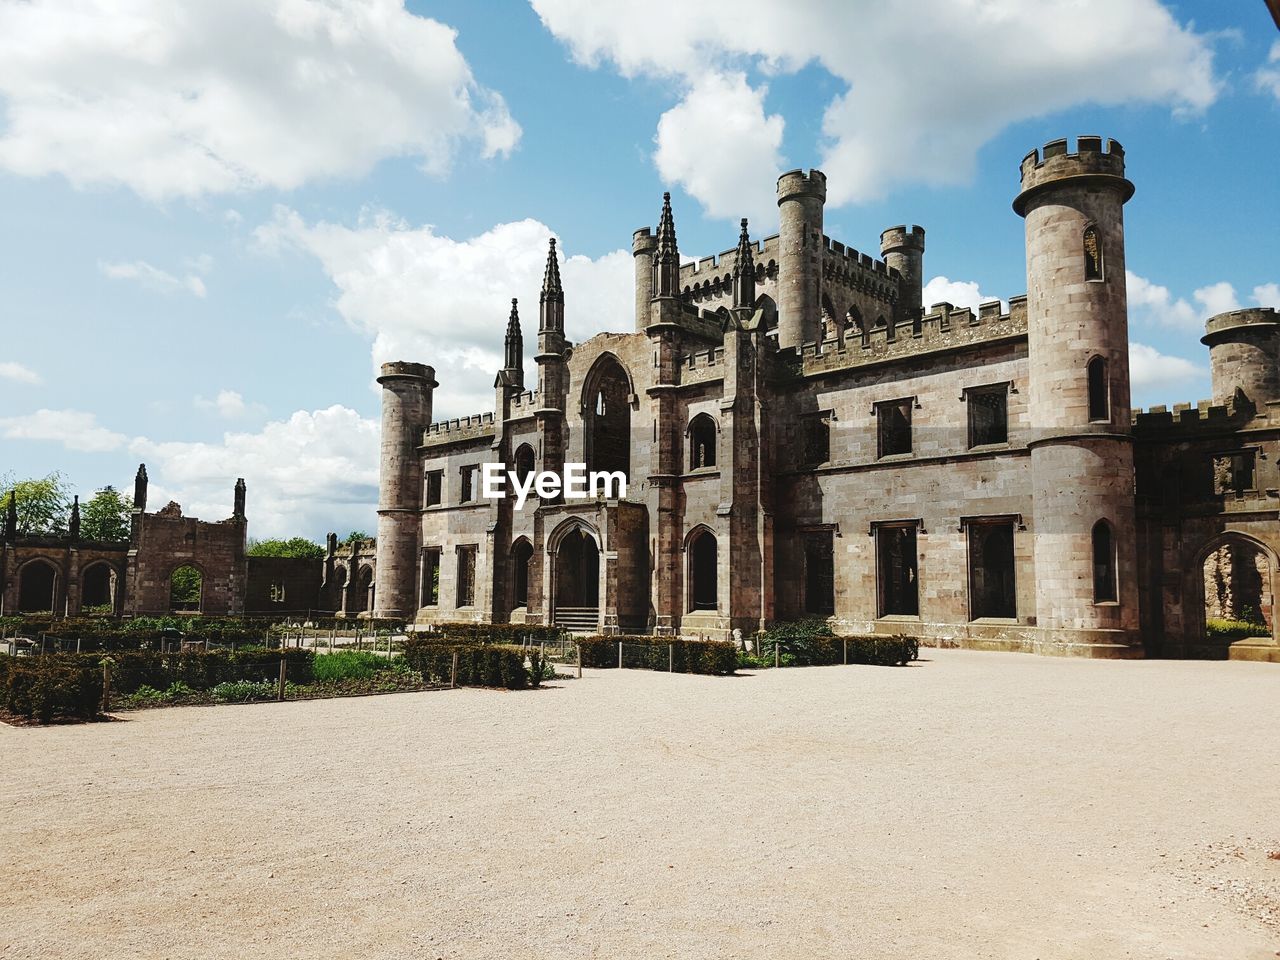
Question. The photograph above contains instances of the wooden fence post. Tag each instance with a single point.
(777, 659)
(106, 685)
(846, 651)
(619, 654)
(671, 658)
(453, 677)
(283, 667)
(578, 646)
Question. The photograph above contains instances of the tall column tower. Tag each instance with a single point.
(406, 411)
(801, 198)
(1082, 444)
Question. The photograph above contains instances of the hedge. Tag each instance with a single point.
(44, 688)
(133, 669)
(717, 657)
(515, 633)
(806, 643)
(479, 665)
(111, 633)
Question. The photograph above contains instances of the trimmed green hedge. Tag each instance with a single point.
(45, 688)
(806, 643)
(516, 633)
(111, 633)
(479, 665)
(714, 657)
(131, 670)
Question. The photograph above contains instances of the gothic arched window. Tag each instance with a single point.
(1092, 253)
(1099, 390)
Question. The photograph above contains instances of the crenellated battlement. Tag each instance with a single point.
(471, 427)
(1217, 327)
(1056, 163)
(944, 327)
(836, 256)
(902, 238)
(798, 183)
(1204, 416)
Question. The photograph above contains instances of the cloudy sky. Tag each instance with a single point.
(218, 219)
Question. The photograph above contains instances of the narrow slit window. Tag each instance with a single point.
(1092, 253)
(1104, 563)
(1099, 390)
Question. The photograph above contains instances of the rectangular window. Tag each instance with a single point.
(819, 574)
(991, 569)
(431, 577)
(435, 487)
(817, 437)
(277, 593)
(896, 574)
(466, 576)
(893, 427)
(988, 414)
(1233, 473)
(468, 491)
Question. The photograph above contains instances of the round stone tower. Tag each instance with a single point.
(1078, 385)
(903, 250)
(643, 246)
(1244, 347)
(801, 198)
(406, 411)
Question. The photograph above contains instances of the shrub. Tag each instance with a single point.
(716, 657)
(805, 643)
(197, 670)
(479, 665)
(44, 688)
(348, 664)
(1219, 629)
(244, 691)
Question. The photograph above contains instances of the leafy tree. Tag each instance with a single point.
(293, 547)
(355, 535)
(43, 504)
(106, 516)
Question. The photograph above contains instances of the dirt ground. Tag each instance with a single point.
(974, 805)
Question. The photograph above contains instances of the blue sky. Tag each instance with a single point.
(210, 243)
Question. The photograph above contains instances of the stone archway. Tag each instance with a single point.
(37, 587)
(1236, 577)
(99, 585)
(574, 554)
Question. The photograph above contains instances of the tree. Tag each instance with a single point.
(299, 547)
(106, 516)
(43, 504)
(355, 535)
(185, 587)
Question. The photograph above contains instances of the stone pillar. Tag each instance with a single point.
(801, 198)
(406, 411)
(1081, 459)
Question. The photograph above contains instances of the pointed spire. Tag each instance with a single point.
(140, 488)
(551, 288)
(551, 304)
(744, 272)
(74, 526)
(11, 517)
(666, 264)
(513, 346)
(237, 511)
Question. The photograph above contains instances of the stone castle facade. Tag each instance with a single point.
(803, 438)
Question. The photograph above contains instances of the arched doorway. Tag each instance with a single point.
(1237, 592)
(702, 442)
(186, 589)
(37, 587)
(361, 595)
(703, 571)
(577, 581)
(521, 558)
(607, 417)
(98, 589)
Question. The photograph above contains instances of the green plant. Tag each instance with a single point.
(244, 691)
(348, 663)
(660, 653)
(1218, 628)
(45, 688)
(479, 665)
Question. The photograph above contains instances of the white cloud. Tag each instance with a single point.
(730, 182)
(229, 404)
(1150, 370)
(314, 472)
(1267, 79)
(1216, 298)
(958, 293)
(1267, 295)
(187, 97)
(74, 429)
(925, 91)
(432, 299)
(153, 278)
(1153, 304)
(10, 370)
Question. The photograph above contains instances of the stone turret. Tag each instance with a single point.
(237, 511)
(513, 349)
(801, 198)
(1078, 356)
(406, 411)
(1244, 355)
(903, 250)
(744, 272)
(643, 247)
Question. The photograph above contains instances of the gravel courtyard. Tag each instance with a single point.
(972, 805)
